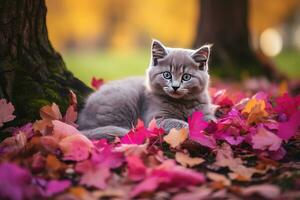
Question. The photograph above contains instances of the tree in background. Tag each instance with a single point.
(32, 73)
(225, 24)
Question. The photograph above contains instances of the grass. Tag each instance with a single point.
(116, 65)
(106, 65)
(288, 62)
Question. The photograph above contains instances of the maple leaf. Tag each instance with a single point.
(137, 135)
(287, 130)
(224, 158)
(265, 190)
(97, 83)
(219, 178)
(266, 140)
(255, 110)
(75, 147)
(71, 113)
(196, 133)
(176, 137)
(136, 168)
(62, 130)
(16, 182)
(13, 144)
(287, 104)
(108, 157)
(47, 113)
(6, 112)
(53, 187)
(94, 175)
(168, 174)
(187, 161)
(50, 112)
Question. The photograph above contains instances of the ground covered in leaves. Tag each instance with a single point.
(252, 151)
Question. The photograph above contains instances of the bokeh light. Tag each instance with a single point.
(270, 42)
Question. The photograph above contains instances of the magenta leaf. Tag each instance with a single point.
(196, 127)
(287, 130)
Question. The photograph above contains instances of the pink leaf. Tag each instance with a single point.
(62, 130)
(71, 113)
(288, 129)
(56, 186)
(108, 158)
(93, 175)
(287, 104)
(266, 140)
(196, 127)
(76, 147)
(6, 112)
(15, 182)
(136, 168)
(168, 174)
(71, 116)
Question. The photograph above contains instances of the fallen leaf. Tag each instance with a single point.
(71, 113)
(170, 175)
(137, 136)
(287, 130)
(255, 110)
(265, 190)
(15, 182)
(75, 147)
(93, 175)
(176, 137)
(266, 140)
(56, 186)
(196, 133)
(50, 112)
(136, 168)
(224, 158)
(6, 113)
(219, 178)
(187, 161)
(97, 83)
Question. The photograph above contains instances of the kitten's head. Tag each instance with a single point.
(178, 73)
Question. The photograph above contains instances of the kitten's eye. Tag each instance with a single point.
(167, 75)
(186, 77)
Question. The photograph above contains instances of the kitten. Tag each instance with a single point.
(176, 85)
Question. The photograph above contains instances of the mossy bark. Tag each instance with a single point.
(32, 73)
(225, 25)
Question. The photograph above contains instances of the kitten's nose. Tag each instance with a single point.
(175, 88)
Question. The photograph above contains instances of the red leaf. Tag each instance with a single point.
(97, 83)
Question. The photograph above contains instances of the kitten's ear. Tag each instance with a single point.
(158, 51)
(201, 56)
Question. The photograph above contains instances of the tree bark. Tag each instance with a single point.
(32, 73)
(225, 25)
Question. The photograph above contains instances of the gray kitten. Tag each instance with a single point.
(176, 85)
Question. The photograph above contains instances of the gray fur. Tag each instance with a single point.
(115, 108)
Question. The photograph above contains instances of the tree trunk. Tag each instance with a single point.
(32, 73)
(225, 25)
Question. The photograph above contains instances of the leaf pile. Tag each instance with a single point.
(249, 152)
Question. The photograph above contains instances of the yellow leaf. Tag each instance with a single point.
(256, 110)
(176, 137)
(219, 178)
(283, 88)
(187, 161)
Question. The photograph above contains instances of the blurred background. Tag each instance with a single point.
(111, 38)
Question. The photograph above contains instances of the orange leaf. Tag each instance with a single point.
(187, 161)
(176, 137)
(255, 110)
